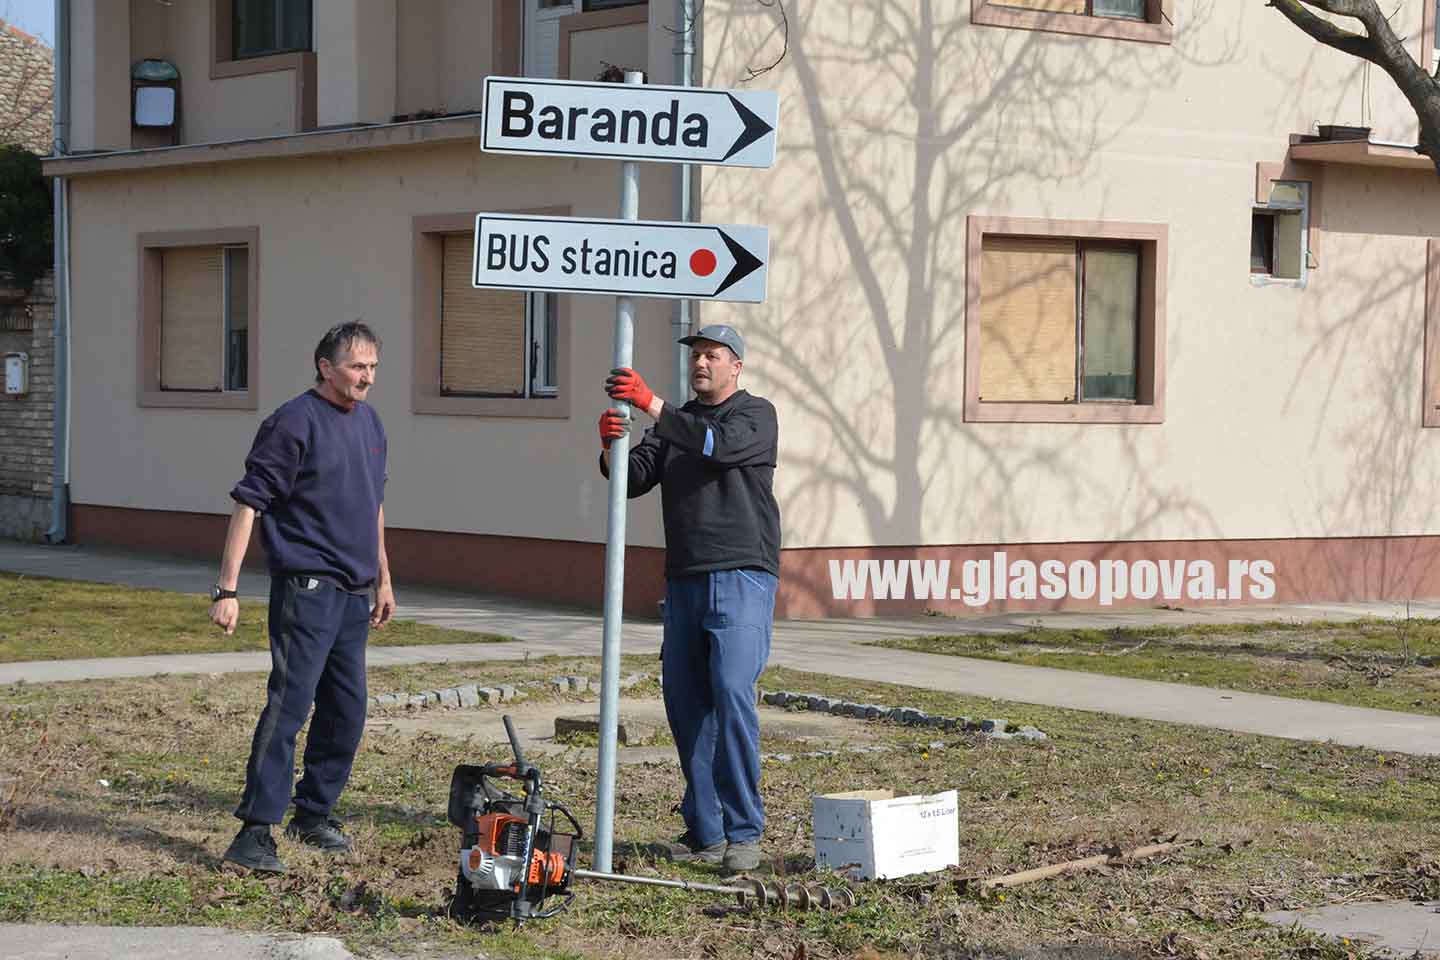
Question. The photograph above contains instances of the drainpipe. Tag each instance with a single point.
(684, 69)
(60, 487)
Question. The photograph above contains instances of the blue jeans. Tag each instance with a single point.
(717, 640)
(317, 656)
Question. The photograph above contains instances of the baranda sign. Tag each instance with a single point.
(630, 122)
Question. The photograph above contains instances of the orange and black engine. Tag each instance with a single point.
(495, 859)
(503, 835)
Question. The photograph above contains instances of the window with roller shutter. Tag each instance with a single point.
(204, 318)
(1065, 321)
(198, 318)
(482, 352)
(493, 343)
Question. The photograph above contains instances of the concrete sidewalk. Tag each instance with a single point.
(834, 647)
(49, 941)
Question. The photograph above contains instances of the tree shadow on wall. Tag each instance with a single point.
(910, 118)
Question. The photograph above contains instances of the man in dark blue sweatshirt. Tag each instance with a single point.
(714, 459)
(316, 477)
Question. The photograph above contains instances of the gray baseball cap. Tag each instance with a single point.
(719, 333)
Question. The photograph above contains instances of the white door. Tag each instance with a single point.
(542, 36)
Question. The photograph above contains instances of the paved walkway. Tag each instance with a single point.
(49, 941)
(837, 648)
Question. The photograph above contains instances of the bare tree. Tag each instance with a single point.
(27, 81)
(1379, 45)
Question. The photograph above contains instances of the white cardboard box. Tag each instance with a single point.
(881, 835)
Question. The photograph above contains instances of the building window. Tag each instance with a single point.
(265, 27)
(204, 318)
(493, 343)
(198, 321)
(1279, 230)
(579, 38)
(481, 352)
(1059, 320)
(1435, 38)
(1148, 21)
(1065, 321)
(1123, 9)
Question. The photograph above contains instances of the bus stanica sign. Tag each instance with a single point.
(642, 258)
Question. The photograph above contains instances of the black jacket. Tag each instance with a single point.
(716, 467)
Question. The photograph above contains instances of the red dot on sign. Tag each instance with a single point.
(702, 262)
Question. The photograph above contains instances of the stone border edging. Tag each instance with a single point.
(473, 695)
(908, 716)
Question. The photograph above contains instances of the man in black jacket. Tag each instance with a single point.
(714, 459)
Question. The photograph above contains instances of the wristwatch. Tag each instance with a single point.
(218, 592)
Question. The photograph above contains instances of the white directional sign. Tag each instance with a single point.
(630, 121)
(641, 258)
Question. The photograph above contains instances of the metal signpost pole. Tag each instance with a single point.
(615, 547)
(530, 116)
(684, 68)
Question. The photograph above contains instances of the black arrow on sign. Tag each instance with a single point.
(755, 128)
(746, 262)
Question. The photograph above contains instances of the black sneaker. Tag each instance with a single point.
(254, 849)
(324, 833)
(684, 848)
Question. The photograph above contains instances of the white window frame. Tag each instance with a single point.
(227, 318)
(1090, 12)
(539, 308)
(279, 19)
(1287, 206)
(534, 17)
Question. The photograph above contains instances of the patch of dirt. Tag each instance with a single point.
(535, 726)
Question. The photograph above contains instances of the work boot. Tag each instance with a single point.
(254, 849)
(684, 849)
(323, 833)
(742, 857)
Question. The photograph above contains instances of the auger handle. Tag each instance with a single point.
(514, 742)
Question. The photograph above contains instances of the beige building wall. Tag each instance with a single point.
(355, 51)
(99, 75)
(467, 54)
(1288, 412)
(444, 52)
(661, 40)
(592, 50)
(214, 104)
(323, 257)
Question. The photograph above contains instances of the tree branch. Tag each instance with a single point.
(1326, 32)
(1380, 46)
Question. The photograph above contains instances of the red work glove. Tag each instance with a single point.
(625, 384)
(612, 427)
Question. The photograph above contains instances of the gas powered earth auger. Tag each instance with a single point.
(518, 852)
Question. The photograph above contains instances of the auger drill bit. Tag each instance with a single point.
(748, 893)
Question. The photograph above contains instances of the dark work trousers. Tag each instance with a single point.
(317, 656)
(717, 639)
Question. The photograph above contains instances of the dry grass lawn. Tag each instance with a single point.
(1385, 664)
(45, 619)
(120, 796)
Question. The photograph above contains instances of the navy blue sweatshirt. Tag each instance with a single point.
(715, 466)
(316, 474)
